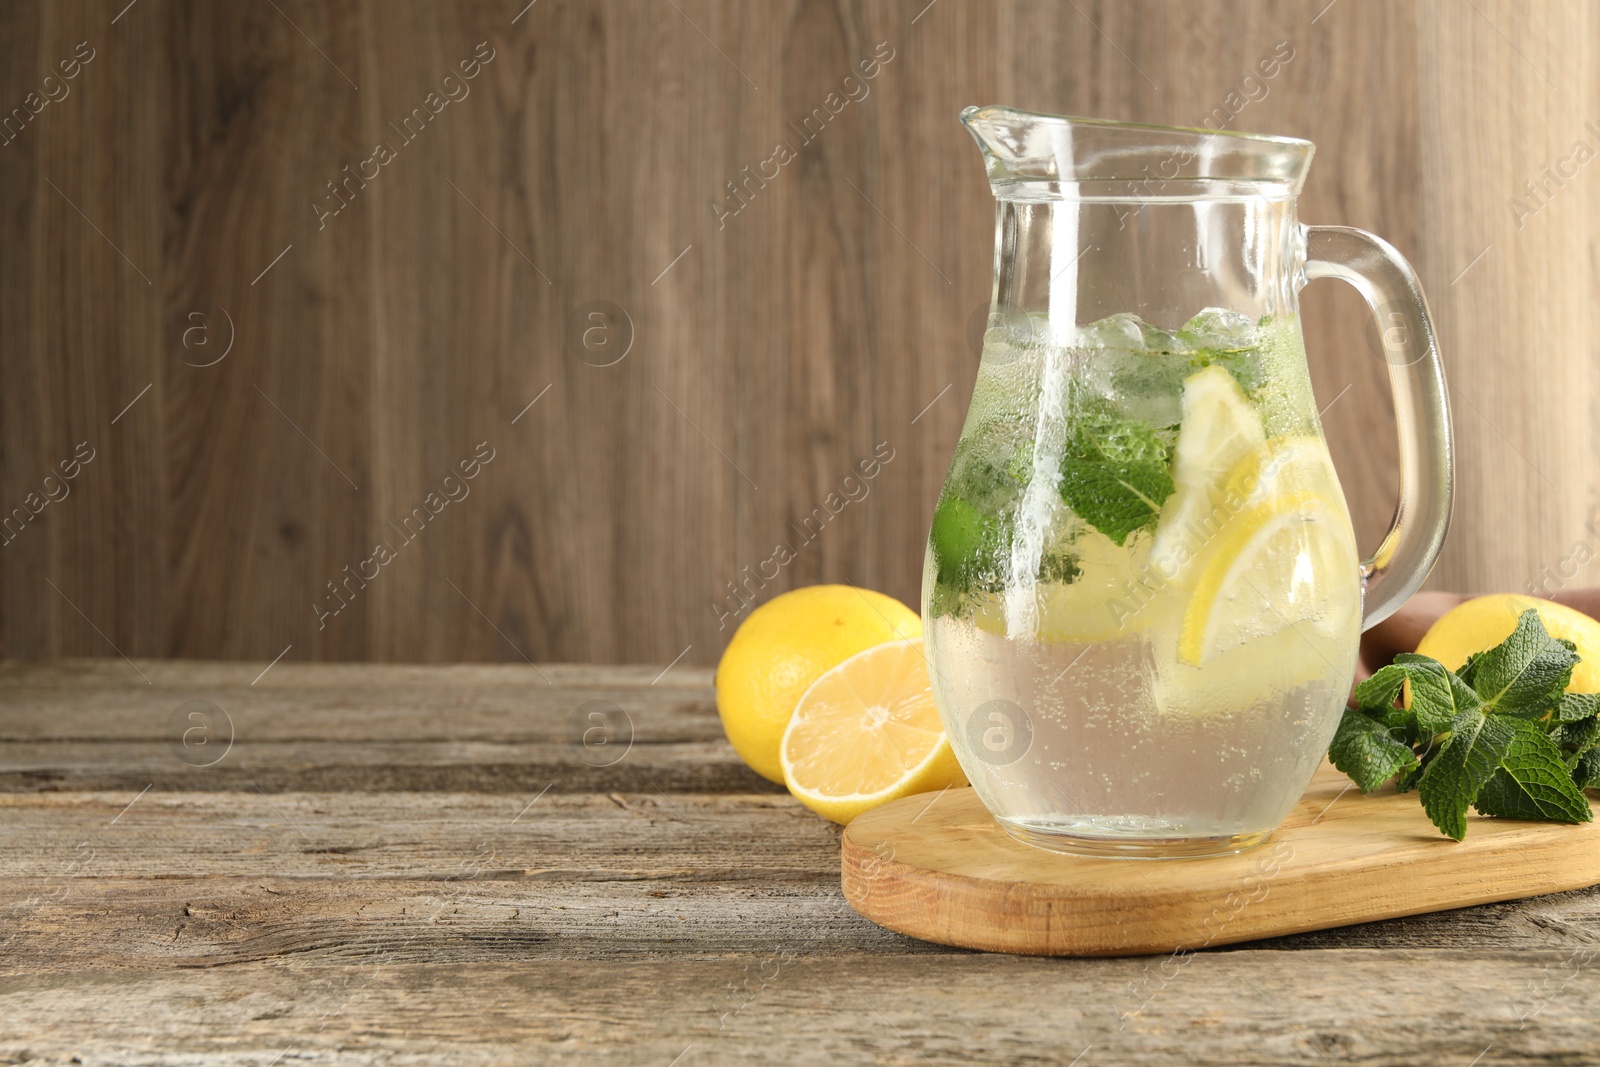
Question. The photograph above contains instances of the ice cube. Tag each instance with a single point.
(1121, 331)
(1158, 340)
(1219, 328)
(1231, 339)
(1114, 363)
(1149, 386)
(1138, 385)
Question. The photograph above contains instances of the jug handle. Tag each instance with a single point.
(1427, 456)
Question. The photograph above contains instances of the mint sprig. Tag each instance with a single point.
(1499, 734)
(1115, 473)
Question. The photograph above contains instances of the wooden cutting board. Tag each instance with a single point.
(943, 870)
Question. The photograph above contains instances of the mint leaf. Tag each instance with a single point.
(965, 541)
(1437, 695)
(1586, 775)
(1577, 737)
(1525, 673)
(972, 524)
(1500, 734)
(1576, 707)
(1368, 751)
(1378, 693)
(1114, 473)
(1059, 565)
(1450, 783)
(1533, 781)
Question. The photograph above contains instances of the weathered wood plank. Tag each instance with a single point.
(776, 860)
(240, 675)
(107, 924)
(1239, 1008)
(383, 767)
(650, 911)
(103, 700)
(360, 836)
(81, 725)
(378, 713)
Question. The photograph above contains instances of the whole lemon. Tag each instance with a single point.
(785, 645)
(1481, 623)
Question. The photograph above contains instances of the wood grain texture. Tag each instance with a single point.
(769, 349)
(944, 870)
(226, 916)
(498, 729)
(944, 1010)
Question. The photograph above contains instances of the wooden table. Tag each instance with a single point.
(510, 865)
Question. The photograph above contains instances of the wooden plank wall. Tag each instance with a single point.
(175, 196)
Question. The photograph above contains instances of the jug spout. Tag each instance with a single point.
(1026, 146)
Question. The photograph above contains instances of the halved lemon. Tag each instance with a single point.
(785, 645)
(1288, 560)
(867, 732)
(1219, 430)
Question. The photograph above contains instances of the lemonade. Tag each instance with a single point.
(1141, 594)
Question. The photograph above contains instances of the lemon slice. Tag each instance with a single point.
(1283, 465)
(1219, 430)
(867, 732)
(1288, 560)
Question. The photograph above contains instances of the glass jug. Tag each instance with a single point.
(1142, 597)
